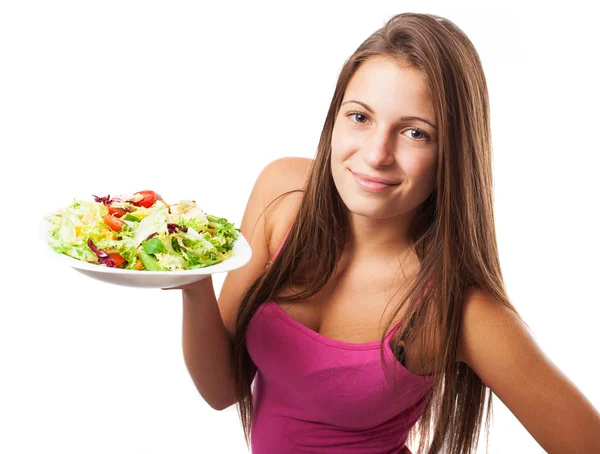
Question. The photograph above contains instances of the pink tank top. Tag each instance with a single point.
(314, 394)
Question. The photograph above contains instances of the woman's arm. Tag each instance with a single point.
(502, 352)
(209, 324)
(206, 345)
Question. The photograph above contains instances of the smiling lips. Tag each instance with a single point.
(372, 184)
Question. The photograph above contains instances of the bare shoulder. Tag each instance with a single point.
(263, 224)
(482, 315)
(280, 177)
(501, 349)
(284, 174)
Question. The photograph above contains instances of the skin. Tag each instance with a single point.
(381, 144)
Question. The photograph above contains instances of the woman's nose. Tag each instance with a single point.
(379, 151)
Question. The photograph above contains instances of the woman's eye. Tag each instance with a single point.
(417, 134)
(359, 117)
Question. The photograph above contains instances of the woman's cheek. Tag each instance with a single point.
(344, 143)
(417, 163)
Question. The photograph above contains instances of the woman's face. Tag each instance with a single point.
(376, 133)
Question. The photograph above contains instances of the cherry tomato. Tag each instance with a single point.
(116, 211)
(114, 223)
(116, 257)
(147, 200)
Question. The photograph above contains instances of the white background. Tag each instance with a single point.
(193, 101)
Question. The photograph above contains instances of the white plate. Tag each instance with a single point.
(148, 279)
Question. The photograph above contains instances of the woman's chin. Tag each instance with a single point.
(368, 210)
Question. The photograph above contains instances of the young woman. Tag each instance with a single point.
(373, 308)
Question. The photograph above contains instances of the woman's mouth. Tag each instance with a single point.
(372, 186)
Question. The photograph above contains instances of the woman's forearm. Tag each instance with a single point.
(207, 346)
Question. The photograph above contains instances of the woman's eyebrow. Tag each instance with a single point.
(408, 118)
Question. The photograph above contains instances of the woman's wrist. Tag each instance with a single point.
(204, 286)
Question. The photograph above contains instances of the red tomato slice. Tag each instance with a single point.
(116, 257)
(114, 223)
(147, 200)
(116, 211)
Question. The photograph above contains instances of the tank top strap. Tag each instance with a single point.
(279, 247)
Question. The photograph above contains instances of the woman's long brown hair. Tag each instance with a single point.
(453, 235)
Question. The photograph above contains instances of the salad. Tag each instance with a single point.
(142, 232)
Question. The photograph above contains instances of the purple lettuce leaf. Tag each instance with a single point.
(103, 257)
